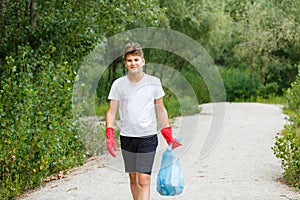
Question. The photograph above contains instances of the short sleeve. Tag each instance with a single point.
(113, 93)
(159, 92)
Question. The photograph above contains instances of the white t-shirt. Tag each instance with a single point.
(136, 104)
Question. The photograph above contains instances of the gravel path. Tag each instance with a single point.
(241, 166)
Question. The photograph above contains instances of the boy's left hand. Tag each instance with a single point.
(167, 134)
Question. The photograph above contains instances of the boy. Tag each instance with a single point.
(139, 98)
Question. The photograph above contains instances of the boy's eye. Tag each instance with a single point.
(136, 60)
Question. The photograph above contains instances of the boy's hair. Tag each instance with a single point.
(133, 48)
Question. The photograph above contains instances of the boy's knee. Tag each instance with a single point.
(143, 180)
(132, 177)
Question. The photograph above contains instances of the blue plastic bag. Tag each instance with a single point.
(170, 180)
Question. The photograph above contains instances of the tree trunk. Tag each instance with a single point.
(33, 5)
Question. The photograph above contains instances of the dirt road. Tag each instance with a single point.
(241, 165)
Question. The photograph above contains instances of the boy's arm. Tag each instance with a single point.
(162, 113)
(166, 130)
(110, 121)
(111, 113)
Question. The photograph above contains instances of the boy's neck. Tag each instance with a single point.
(134, 78)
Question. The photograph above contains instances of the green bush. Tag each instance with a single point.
(243, 85)
(268, 90)
(287, 144)
(38, 130)
(239, 84)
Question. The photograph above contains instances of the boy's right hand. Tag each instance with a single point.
(110, 142)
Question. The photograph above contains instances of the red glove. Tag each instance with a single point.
(167, 134)
(110, 142)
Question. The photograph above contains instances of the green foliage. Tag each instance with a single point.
(272, 99)
(197, 83)
(176, 107)
(239, 84)
(268, 89)
(293, 95)
(204, 21)
(101, 109)
(266, 37)
(172, 105)
(186, 70)
(287, 143)
(38, 131)
(262, 35)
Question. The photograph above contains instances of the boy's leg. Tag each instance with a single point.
(143, 181)
(140, 185)
(133, 185)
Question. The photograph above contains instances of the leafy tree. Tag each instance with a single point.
(265, 32)
(204, 21)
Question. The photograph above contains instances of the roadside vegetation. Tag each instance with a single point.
(287, 146)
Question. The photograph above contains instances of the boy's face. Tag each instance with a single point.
(134, 63)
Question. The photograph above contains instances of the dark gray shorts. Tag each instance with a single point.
(138, 153)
